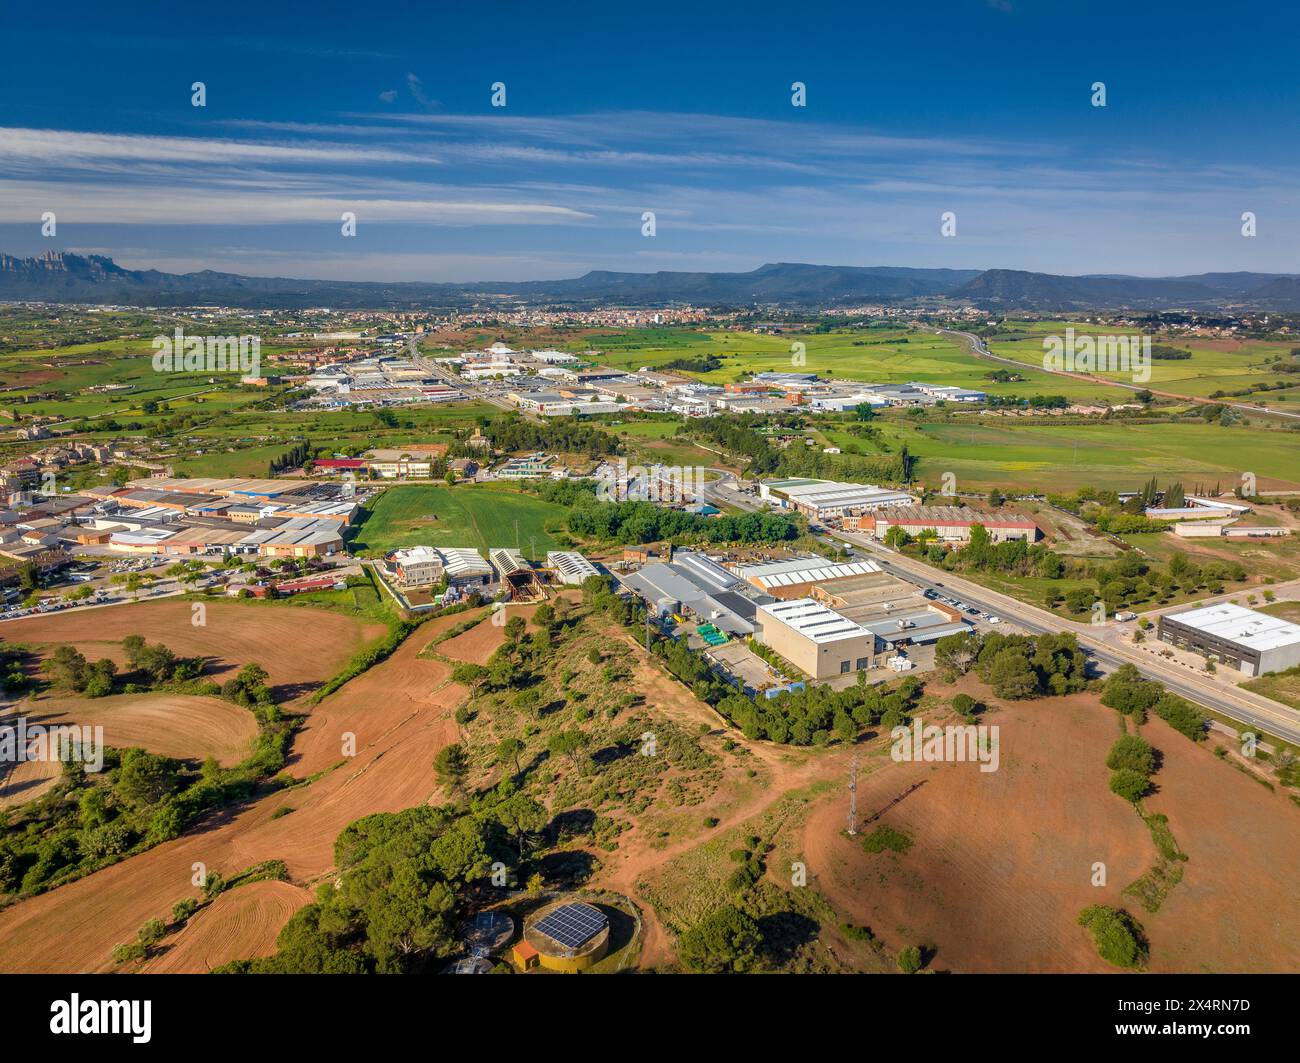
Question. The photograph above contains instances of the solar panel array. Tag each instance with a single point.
(573, 925)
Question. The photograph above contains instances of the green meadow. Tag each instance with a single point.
(479, 515)
(877, 356)
(654, 442)
(1061, 457)
(1215, 365)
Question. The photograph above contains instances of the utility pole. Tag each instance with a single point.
(853, 797)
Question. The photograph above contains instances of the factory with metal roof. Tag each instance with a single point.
(570, 567)
(825, 499)
(1248, 640)
(795, 577)
(815, 639)
(697, 584)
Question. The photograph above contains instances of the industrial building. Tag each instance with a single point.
(891, 609)
(464, 567)
(827, 499)
(166, 515)
(693, 583)
(418, 566)
(516, 574)
(949, 523)
(1228, 529)
(1250, 641)
(570, 568)
(400, 465)
(422, 566)
(815, 639)
(796, 577)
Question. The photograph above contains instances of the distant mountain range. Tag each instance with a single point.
(1017, 289)
(62, 277)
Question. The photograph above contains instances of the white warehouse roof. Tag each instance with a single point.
(573, 567)
(463, 561)
(805, 570)
(814, 621)
(1245, 627)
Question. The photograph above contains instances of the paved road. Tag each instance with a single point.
(1101, 643)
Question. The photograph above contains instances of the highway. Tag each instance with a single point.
(1100, 643)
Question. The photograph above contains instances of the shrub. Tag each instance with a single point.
(882, 838)
(856, 933)
(183, 909)
(1132, 752)
(152, 932)
(128, 952)
(726, 940)
(1118, 936)
(1129, 784)
(1182, 716)
(909, 960)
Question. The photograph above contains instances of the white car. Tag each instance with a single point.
(995, 620)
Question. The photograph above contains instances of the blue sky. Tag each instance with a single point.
(980, 107)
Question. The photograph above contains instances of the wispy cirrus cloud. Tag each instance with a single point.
(63, 147)
(725, 189)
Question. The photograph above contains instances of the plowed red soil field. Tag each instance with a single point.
(401, 714)
(174, 725)
(238, 925)
(297, 645)
(1001, 862)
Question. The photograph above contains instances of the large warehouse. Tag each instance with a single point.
(795, 577)
(824, 499)
(815, 639)
(696, 584)
(570, 568)
(950, 523)
(1252, 642)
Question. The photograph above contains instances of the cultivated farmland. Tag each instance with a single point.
(298, 650)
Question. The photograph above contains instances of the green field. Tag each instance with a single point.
(1276, 559)
(1215, 365)
(1059, 458)
(482, 516)
(655, 442)
(876, 356)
